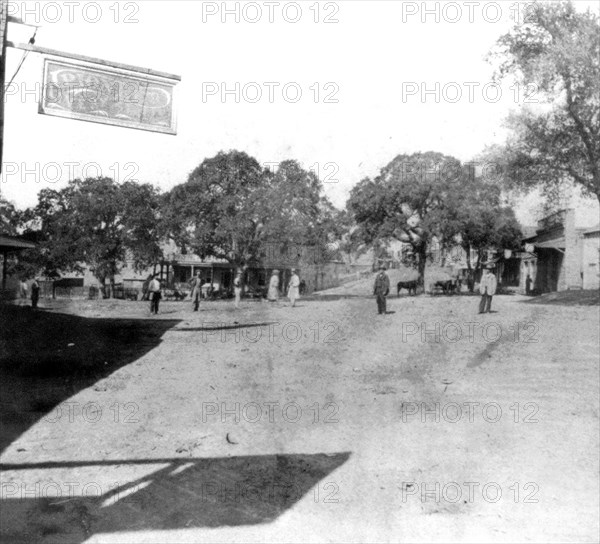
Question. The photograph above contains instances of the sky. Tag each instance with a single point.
(361, 67)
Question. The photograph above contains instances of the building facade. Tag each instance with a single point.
(591, 258)
(176, 271)
(561, 255)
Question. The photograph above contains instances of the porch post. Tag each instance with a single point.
(4, 268)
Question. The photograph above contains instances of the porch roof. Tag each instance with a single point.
(557, 243)
(11, 243)
(200, 264)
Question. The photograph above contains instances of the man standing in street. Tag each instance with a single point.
(487, 288)
(154, 290)
(381, 289)
(145, 292)
(196, 285)
(35, 293)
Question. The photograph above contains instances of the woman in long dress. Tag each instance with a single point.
(294, 288)
(237, 288)
(273, 293)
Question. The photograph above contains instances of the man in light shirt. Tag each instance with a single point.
(487, 288)
(154, 290)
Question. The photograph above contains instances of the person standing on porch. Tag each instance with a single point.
(237, 288)
(273, 293)
(23, 292)
(487, 288)
(294, 288)
(528, 283)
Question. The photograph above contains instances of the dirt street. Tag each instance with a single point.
(270, 424)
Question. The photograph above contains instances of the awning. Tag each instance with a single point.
(10, 243)
(558, 243)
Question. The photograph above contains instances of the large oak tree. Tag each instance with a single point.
(553, 54)
(231, 207)
(425, 196)
(407, 202)
(99, 223)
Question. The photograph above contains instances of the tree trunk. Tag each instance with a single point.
(421, 264)
(112, 287)
(477, 266)
(237, 265)
(470, 275)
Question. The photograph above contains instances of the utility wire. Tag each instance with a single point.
(25, 54)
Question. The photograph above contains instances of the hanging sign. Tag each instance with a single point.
(112, 96)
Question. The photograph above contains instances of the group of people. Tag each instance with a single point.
(487, 289)
(293, 291)
(35, 292)
(381, 289)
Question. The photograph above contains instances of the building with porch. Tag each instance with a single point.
(10, 246)
(561, 255)
(177, 269)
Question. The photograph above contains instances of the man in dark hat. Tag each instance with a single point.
(381, 289)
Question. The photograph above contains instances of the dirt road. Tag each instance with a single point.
(320, 423)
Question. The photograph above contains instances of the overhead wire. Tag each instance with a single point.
(25, 54)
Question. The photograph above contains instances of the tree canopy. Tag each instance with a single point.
(479, 220)
(425, 196)
(555, 53)
(230, 207)
(406, 201)
(97, 222)
(8, 217)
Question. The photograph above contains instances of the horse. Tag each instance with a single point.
(409, 285)
(447, 286)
